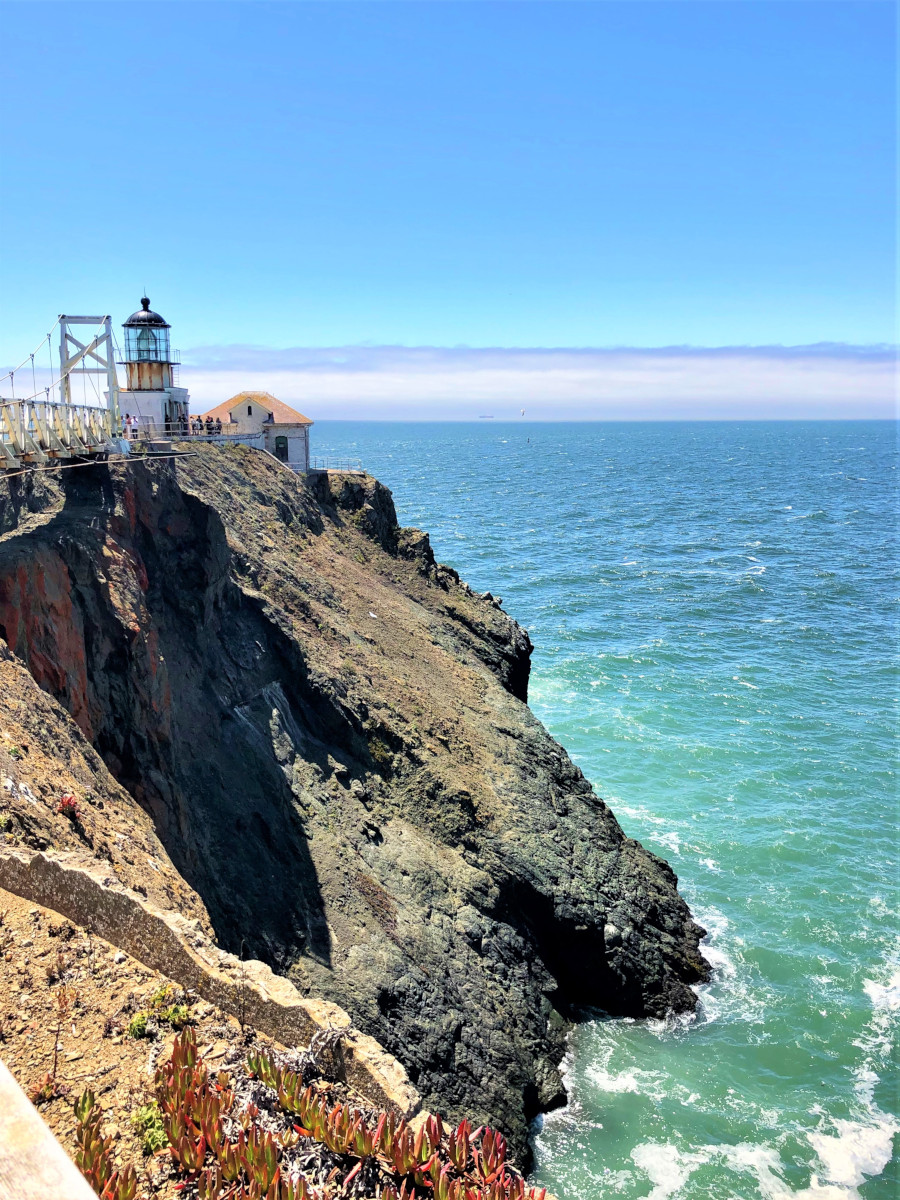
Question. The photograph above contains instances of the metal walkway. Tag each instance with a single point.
(38, 431)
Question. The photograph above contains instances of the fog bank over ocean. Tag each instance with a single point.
(828, 380)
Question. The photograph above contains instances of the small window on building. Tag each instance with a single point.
(249, 410)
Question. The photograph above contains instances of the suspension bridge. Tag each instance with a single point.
(53, 422)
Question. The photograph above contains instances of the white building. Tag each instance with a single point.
(259, 416)
(156, 406)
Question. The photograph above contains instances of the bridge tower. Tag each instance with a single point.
(91, 358)
(151, 366)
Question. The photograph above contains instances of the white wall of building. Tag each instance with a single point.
(153, 409)
(248, 416)
(297, 437)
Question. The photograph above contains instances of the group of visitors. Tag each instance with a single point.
(195, 427)
(207, 428)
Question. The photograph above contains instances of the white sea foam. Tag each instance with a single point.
(878, 1037)
(733, 993)
(884, 996)
(843, 1153)
(760, 1160)
(880, 906)
(855, 1150)
(636, 812)
(670, 840)
(851, 1150)
(665, 1166)
(634, 1080)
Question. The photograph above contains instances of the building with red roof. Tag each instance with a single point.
(262, 417)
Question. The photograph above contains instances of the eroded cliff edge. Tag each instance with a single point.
(329, 734)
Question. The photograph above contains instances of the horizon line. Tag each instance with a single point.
(895, 420)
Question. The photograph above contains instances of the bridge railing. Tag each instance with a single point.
(39, 430)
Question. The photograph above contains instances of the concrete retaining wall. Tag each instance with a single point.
(177, 947)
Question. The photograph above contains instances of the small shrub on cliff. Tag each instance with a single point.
(45, 1090)
(176, 1015)
(141, 1026)
(166, 1005)
(381, 753)
(163, 995)
(150, 1129)
(287, 1141)
(68, 807)
(56, 971)
(49, 1087)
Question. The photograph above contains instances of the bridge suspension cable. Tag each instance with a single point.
(10, 375)
(55, 377)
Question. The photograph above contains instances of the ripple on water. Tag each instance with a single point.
(712, 607)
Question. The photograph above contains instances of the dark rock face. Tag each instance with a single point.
(328, 730)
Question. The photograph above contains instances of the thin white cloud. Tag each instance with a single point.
(438, 383)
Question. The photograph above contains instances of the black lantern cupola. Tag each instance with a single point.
(148, 357)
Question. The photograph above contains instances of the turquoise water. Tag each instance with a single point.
(714, 613)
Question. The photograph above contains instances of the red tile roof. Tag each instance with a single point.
(282, 414)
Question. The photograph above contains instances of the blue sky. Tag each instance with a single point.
(707, 173)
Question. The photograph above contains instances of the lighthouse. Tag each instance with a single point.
(150, 396)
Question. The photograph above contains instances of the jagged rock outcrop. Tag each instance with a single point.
(329, 733)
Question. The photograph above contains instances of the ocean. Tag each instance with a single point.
(714, 613)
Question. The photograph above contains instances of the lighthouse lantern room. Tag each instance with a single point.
(151, 397)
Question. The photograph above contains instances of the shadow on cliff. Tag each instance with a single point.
(121, 606)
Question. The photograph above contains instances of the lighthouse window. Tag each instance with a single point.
(146, 343)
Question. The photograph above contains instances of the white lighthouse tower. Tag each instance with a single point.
(150, 395)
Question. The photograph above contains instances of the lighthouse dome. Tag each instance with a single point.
(147, 339)
(145, 316)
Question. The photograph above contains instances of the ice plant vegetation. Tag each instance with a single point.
(223, 1153)
(95, 1154)
(68, 807)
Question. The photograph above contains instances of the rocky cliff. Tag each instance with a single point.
(324, 734)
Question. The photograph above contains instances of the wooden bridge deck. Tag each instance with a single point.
(39, 431)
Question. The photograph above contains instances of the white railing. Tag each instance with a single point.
(336, 464)
(38, 430)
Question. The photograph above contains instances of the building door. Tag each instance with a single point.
(281, 448)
